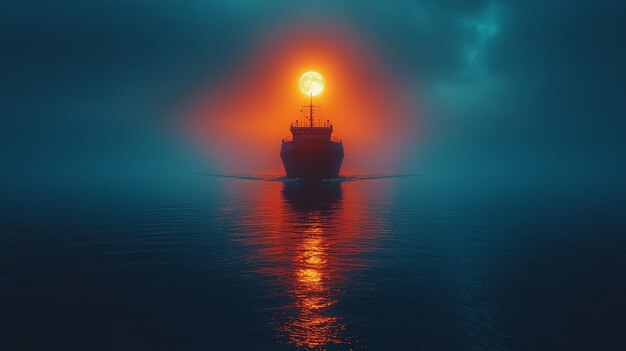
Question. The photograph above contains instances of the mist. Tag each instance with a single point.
(101, 93)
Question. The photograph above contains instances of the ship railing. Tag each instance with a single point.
(290, 138)
(336, 139)
(316, 124)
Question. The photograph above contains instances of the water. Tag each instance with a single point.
(362, 263)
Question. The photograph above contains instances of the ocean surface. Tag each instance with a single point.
(359, 263)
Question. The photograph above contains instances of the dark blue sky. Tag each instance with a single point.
(91, 89)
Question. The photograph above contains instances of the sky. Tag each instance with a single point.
(135, 91)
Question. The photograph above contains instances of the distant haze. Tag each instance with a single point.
(115, 91)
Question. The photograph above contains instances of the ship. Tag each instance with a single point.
(311, 151)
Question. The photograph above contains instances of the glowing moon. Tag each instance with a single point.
(311, 83)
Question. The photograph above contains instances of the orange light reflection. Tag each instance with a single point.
(309, 240)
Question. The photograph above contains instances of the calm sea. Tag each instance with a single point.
(364, 263)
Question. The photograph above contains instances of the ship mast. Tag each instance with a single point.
(311, 111)
(311, 106)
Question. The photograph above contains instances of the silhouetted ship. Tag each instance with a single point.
(311, 152)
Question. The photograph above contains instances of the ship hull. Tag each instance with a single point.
(312, 159)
